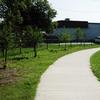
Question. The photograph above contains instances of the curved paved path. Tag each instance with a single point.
(70, 78)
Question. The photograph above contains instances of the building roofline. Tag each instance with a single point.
(94, 23)
(72, 21)
(79, 21)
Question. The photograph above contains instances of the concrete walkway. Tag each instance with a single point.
(70, 78)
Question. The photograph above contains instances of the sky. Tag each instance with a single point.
(84, 10)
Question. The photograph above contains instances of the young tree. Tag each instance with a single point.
(35, 36)
(5, 41)
(19, 39)
(80, 35)
(64, 37)
(70, 37)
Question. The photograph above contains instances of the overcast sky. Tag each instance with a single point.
(87, 10)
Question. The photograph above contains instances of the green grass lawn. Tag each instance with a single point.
(29, 70)
(95, 62)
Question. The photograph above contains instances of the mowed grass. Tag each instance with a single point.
(30, 69)
(95, 63)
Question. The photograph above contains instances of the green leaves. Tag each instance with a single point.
(35, 33)
(37, 13)
(79, 34)
(65, 36)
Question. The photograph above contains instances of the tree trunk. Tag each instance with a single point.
(35, 49)
(59, 44)
(5, 59)
(91, 42)
(81, 43)
(20, 48)
(47, 46)
(84, 43)
(3, 53)
(65, 45)
(70, 44)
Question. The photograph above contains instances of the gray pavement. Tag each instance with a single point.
(70, 78)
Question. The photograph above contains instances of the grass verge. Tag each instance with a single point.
(95, 63)
(30, 70)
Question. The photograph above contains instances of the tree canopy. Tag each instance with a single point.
(37, 13)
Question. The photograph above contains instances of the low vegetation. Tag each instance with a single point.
(95, 62)
(24, 71)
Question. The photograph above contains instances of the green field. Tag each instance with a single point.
(29, 69)
(95, 63)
